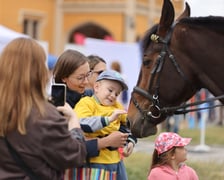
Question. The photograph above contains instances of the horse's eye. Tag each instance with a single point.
(146, 61)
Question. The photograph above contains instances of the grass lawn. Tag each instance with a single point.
(138, 163)
(214, 135)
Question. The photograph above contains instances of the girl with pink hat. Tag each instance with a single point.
(168, 158)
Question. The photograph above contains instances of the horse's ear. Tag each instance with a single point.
(167, 18)
(186, 13)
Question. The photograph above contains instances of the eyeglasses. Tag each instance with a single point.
(97, 72)
(83, 77)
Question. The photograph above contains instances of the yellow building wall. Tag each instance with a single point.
(143, 1)
(11, 13)
(142, 25)
(87, 1)
(113, 23)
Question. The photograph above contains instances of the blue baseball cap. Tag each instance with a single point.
(113, 75)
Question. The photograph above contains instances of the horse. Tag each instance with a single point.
(179, 57)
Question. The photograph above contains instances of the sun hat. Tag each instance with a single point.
(167, 140)
(113, 75)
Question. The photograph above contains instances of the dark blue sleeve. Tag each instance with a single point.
(92, 148)
(132, 138)
(88, 92)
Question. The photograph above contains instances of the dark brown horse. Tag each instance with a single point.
(179, 58)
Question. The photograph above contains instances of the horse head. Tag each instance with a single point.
(150, 95)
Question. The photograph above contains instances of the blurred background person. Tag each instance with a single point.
(173, 123)
(123, 97)
(51, 61)
(97, 66)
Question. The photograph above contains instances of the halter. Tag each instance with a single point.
(155, 111)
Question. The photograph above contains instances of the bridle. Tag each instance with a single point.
(155, 110)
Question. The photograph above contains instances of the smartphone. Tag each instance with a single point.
(58, 94)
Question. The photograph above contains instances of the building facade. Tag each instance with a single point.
(69, 21)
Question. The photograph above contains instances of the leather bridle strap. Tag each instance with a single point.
(143, 93)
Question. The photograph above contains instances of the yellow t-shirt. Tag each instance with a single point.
(89, 107)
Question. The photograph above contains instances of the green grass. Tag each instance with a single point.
(137, 166)
(214, 135)
(138, 163)
(208, 171)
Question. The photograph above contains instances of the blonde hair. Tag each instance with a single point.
(23, 77)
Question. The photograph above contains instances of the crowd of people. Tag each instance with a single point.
(47, 143)
(86, 138)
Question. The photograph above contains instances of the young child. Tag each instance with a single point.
(168, 158)
(102, 114)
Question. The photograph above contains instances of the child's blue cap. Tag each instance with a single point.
(113, 75)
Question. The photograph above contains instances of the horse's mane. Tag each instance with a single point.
(215, 23)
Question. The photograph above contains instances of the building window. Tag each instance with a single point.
(31, 27)
(32, 22)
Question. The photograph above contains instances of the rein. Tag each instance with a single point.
(181, 109)
(155, 106)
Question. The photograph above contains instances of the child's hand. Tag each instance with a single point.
(128, 149)
(116, 114)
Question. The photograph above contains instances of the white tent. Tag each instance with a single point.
(6, 35)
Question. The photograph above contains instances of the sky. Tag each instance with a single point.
(206, 7)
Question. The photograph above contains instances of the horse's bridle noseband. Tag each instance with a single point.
(154, 105)
(155, 109)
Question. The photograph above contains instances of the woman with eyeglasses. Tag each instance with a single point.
(72, 68)
(97, 66)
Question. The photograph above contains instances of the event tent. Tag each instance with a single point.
(6, 35)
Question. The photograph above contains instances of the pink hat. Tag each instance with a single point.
(165, 141)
